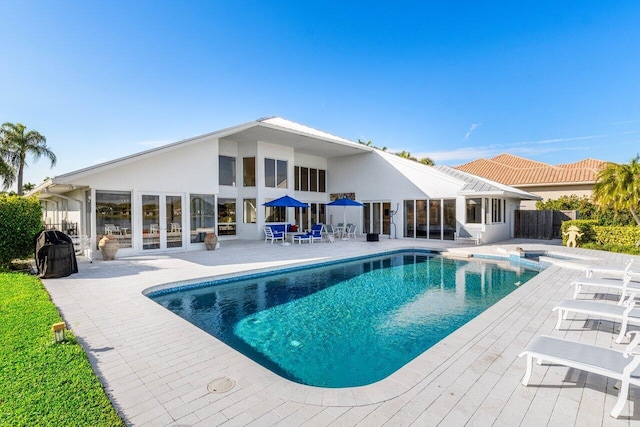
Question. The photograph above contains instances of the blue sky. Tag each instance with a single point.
(552, 81)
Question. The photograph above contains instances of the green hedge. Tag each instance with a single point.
(611, 238)
(20, 222)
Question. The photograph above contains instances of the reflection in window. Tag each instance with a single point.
(113, 215)
(409, 218)
(249, 208)
(226, 217)
(227, 170)
(203, 215)
(150, 222)
(269, 172)
(474, 211)
(282, 174)
(249, 171)
(275, 214)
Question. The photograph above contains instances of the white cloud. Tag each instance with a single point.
(473, 127)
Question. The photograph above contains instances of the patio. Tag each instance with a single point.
(156, 366)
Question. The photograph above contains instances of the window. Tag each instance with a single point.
(227, 170)
(304, 179)
(275, 214)
(249, 209)
(249, 171)
(322, 181)
(474, 211)
(282, 174)
(497, 213)
(203, 215)
(113, 215)
(226, 217)
(313, 180)
(409, 218)
(310, 179)
(275, 173)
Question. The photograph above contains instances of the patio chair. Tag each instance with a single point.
(329, 233)
(612, 271)
(610, 363)
(272, 235)
(350, 231)
(316, 232)
(626, 314)
(175, 227)
(625, 285)
(153, 229)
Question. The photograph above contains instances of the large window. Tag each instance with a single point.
(113, 215)
(203, 215)
(249, 171)
(310, 179)
(409, 218)
(275, 173)
(249, 211)
(474, 211)
(226, 217)
(275, 213)
(227, 170)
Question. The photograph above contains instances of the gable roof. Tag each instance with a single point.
(477, 184)
(514, 170)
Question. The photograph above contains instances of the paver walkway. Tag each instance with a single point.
(156, 366)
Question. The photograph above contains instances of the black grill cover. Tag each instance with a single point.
(55, 255)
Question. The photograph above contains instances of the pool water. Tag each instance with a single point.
(347, 324)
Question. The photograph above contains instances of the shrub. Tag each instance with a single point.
(585, 226)
(587, 210)
(20, 222)
(616, 236)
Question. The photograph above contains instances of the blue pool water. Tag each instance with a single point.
(347, 324)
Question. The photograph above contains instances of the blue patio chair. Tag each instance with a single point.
(271, 234)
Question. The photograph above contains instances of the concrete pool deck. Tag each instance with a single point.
(156, 367)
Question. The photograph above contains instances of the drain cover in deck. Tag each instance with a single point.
(221, 385)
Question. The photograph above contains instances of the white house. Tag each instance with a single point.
(167, 198)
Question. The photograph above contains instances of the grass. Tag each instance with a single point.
(42, 383)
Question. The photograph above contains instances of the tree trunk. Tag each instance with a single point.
(20, 172)
(635, 216)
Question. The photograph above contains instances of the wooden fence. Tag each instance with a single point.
(541, 224)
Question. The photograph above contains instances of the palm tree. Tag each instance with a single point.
(16, 144)
(618, 187)
(28, 186)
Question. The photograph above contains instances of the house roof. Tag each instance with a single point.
(477, 184)
(514, 170)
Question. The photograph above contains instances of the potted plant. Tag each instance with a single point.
(108, 246)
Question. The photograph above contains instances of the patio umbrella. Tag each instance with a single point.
(344, 202)
(286, 202)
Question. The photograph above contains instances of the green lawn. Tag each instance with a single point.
(42, 383)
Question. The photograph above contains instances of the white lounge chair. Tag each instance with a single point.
(626, 314)
(625, 285)
(619, 365)
(351, 231)
(612, 271)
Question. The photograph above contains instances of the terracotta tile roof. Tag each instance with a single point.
(513, 170)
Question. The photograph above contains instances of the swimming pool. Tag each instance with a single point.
(350, 323)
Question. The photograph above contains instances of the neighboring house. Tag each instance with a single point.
(169, 197)
(544, 180)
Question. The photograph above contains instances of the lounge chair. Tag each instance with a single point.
(626, 314)
(607, 362)
(111, 229)
(272, 235)
(625, 285)
(612, 271)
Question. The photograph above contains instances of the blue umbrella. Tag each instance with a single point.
(344, 202)
(286, 202)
